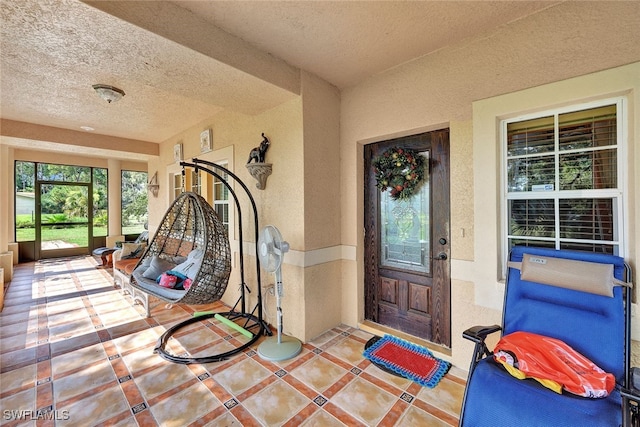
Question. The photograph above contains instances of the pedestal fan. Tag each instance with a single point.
(271, 249)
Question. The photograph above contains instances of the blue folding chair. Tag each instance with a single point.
(596, 326)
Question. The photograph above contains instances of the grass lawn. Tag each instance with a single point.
(76, 235)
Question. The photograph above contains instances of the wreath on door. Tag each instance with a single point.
(400, 170)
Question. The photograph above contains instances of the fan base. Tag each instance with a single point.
(271, 349)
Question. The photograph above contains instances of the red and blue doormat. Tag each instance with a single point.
(408, 360)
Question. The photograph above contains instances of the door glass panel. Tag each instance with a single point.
(405, 228)
(66, 173)
(64, 216)
(100, 202)
(134, 215)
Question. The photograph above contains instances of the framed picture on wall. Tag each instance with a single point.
(177, 152)
(205, 141)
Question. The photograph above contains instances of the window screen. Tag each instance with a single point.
(562, 185)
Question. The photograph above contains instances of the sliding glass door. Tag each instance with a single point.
(62, 219)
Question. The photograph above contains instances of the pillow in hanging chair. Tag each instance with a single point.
(191, 266)
(176, 260)
(157, 267)
(167, 280)
(145, 263)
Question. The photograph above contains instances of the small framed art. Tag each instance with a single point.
(205, 141)
(177, 152)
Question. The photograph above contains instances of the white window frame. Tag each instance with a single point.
(196, 184)
(619, 194)
(220, 202)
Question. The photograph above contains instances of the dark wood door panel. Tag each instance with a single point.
(408, 322)
(389, 290)
(419, 299)
(409, 299)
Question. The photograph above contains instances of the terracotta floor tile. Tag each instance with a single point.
(17, 358)
(73, 328)
(185, 407)
(115, 318)
(319, 373)
(64, 306)
(15, 318)
(62, 344)
(16, 308)
(66, 317)
(137, 340)
(107, 300)
(348, 350)
(417, 417)
(18, 378)
(446, 396)
(213, 349)
(198, 338)
(78, 359)
(23, 400)
(73, 343)
(162, 379)
(321, 419)
(364, 401)
(92, 376)
(399, 382)
(16, 342)
(95, 408)
(227, 419)
(142, 360)
(241, 376)
(275, 404)
(324, 338)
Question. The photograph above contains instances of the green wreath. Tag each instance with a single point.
(400, 170)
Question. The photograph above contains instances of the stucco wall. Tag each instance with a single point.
(301, 199)
(280, 204)
(475, 175)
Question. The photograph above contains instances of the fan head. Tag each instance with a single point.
(271, 248)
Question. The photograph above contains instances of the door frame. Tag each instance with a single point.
(440, 182)
(63, 252)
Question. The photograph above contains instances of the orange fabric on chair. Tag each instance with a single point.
(551, 360)
(126, 265)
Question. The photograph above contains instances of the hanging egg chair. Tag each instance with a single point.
(191, 244)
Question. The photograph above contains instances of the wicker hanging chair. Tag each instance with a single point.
(190, 226)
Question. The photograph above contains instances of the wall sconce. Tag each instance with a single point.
(108, 93)
(260, 171)
(153, 185)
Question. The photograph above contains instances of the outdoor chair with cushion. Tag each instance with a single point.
(126, 256)
(573, 300)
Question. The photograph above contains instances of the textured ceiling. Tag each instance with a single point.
(181, 62)
(54, 51)
(345, 42)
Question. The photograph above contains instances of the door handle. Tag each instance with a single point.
(442, 256)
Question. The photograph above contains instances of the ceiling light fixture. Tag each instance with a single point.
(108, 93)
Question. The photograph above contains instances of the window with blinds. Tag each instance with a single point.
(562, 179)
(221, 199)
(208, 186)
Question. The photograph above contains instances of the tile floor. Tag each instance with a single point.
(75, 351)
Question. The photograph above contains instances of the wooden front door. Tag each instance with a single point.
(407, 267)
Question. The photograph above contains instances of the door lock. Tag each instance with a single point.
(442, 241)
(442, 256)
